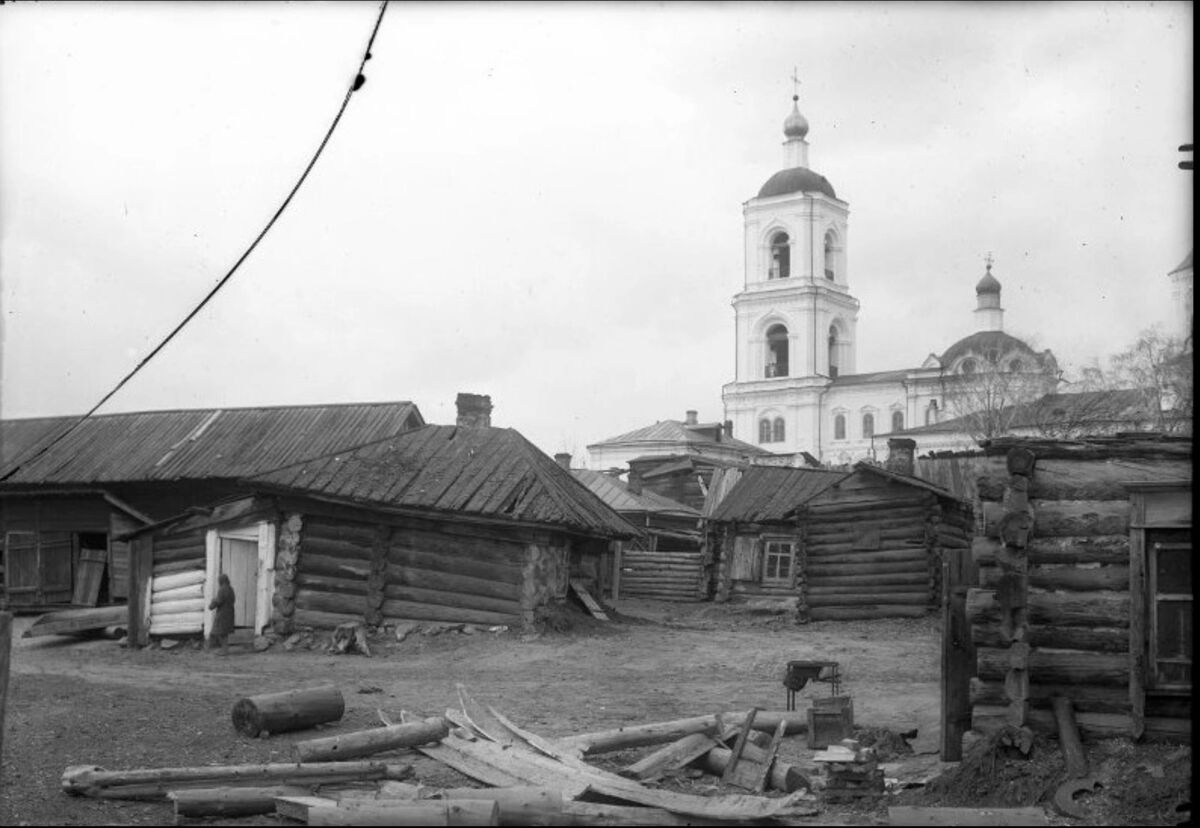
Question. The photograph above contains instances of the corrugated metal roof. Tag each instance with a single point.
(766, 493)
(616, 494)
(190, 444)
(1079, 409)
(677, 431)
(488, 472)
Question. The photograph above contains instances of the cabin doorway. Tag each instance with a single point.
(247, 556)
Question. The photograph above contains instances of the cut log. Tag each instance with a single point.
(859, 613)
(330, 583)
(525, 805)
(180, 594)
(671, 757)
(176, 607)
(155, 783)
(1071, 518)
(325, 566)
(175, 580)
(66, 622)
(782, 776)
(1081, 609)
(1097, 639)
(1058, 667)
(417, 577)
(288, 711)
(452, 565)
(399, 812)
(1068, 738)
(368, 742)
(229, 802)
(171, 567)
(660, 733)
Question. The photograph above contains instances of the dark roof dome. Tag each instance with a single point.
(988, 284)
(796, 125)
(796, 180)
(983, 342)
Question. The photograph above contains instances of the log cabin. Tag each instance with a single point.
(669, 559)
(460, 524)
(868, 543)
(1084, 585)
(70, 487)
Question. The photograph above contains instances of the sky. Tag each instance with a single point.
(542, 202)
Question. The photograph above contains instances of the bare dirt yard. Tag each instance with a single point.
(93, 702)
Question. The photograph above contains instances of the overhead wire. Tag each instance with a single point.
(355, 85)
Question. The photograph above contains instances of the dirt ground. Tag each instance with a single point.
(93, 702)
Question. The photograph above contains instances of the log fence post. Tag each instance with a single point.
(1015, 529)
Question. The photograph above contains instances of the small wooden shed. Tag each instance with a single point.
(442, 523)
(1084, 586)
(668, 560)
(868, 543)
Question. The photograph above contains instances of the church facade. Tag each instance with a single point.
(797, 386)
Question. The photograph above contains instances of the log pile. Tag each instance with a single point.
(287, 559)
(177, 602)
(1052, 613)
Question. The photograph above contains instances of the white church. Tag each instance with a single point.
(797, 387)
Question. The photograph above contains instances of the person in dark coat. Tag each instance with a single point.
(222, 607)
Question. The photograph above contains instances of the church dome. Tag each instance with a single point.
(796, 125)
(993, 346)
(988, 284)
(796, 180)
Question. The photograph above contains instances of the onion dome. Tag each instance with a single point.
(796, 125)
(989, 283)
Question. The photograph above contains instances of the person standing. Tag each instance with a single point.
(222, 606)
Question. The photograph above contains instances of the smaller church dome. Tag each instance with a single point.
(989, 283)
(796, 125)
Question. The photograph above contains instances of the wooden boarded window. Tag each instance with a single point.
(744, 566)
(779, 562)
(1169, 568)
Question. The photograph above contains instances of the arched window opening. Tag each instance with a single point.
(993, 356)
(764, 431)
(931, 413)
(839, 427)
(781, 257)
(967, 367)
(1015, 366)
(777, 351)
(868, 430)
(897, 421)
(833, 351)
(829, 254)
(777, 431)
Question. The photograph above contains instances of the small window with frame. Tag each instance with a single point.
(779, 562)
(1169, 570)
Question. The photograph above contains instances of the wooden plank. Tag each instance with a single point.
(678, 754)
(588, 600)
(80, 620)
(765, 764)
(1138, 640)
(730, 774)
(89, 573)
(917, 815)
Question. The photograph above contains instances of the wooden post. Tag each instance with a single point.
(957, 663)
(618, 556)
(141, 565)
(5, 652)
(1137, 618)
(287, 711)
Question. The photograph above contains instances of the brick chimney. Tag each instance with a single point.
(729, 428)
(900, 455)
(563, 458)
(635, 481)
(474, 410)
(689, 417)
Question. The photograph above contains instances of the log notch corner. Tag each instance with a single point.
(1012, 594)
(287, 557)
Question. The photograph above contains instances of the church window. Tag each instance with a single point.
(777, 430)
(967, 367)
(1015, 365)
(839, 427)
(781, 257)
(777, 351)
(993, 356)
(764, 431)
(833, 351)
(829, 254)
(931, 413)
(868, 429)
(897, 421)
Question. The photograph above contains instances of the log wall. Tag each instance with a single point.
(177, 584)
(1054, 614)
(667, 576)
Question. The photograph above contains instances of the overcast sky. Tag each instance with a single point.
(543, 202)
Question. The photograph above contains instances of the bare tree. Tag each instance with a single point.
(992, 400)
(1159, 367)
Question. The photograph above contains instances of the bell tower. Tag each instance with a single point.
(795, 318)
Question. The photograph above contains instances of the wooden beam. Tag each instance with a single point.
(5, 654)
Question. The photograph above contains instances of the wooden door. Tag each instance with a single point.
(21, 569)
(55, 553)
(92, 562)
(239, 560)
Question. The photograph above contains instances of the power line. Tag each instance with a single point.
(356, 84)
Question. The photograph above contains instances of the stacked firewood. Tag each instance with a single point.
(851, 772)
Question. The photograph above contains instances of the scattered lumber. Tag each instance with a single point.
(407, 812)
(678, 754)
(782, 777)
(229, 802)
(659, 733)
(287, 711)
(68, 622)
(525, 805)
(156, 783)
(368, 742)
(588, 601)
